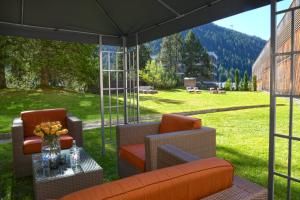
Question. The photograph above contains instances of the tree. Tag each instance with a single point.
(196, 60)
(221, 72)
(237, 79)
(156, 75)
(171, 51)
(245, 81)
(144, 55)
(254, 82)
(228, 85)
(61, 64)
(4, 45)
(12, 51)
(231, 73)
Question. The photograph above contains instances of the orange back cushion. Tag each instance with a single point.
(35, 117)
(172, 123)
(190, 181)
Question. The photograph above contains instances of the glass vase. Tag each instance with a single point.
(51, 151)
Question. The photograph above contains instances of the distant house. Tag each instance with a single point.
(261, 67)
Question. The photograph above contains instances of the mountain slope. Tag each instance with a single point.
(234, 49)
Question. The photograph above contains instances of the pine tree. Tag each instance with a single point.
(144, 55)
(237, 79)
(171, 51)
(231, 73)
(245, 81)
(221, 72)
(196, 60)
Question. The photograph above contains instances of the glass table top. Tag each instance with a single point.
(64, 170)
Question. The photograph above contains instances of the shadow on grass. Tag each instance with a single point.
(84, 106)
(160, 100)
(254, 169)
(10, 187)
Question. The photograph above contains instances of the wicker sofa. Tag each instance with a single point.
(169, 155)
(206, 179)
(142, 140)
(25, 143)
(189, 181)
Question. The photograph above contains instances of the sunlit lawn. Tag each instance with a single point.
(242, 137)
(86, 106)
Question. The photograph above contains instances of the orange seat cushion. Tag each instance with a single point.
(33, 144)
(173, 123)
(135, 155)
(189, 181)
(32, 118)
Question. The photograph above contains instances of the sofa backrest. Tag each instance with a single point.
(32, 118)
(188, 181)
(173, 123)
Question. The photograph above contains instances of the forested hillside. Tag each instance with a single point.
(234, 49)
(32, 63)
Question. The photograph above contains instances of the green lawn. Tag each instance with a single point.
(242, 136)
(86, 106)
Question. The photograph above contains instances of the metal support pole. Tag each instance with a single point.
(272, 101)
(291, 106)
(117, 87)
(129, 87)
(109, 94)
(125, 81)
(134, 86)
(137, 77)
(101, 96)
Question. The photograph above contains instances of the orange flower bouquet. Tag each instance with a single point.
(49, 130)
(50, 133)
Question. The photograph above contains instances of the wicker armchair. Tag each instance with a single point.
(169, 155)
(200, 142)
(22, 136)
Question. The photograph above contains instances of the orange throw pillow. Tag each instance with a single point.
(173, 123)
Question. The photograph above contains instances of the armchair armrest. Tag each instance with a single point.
(17, 131)
(75, 129)
(135, 133)
(199, 142)
(17, 135)
(169, 155)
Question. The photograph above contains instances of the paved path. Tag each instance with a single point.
(6, 137)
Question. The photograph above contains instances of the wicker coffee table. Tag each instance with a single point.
(64, 180)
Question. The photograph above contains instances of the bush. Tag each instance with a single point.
(228, 84)
(157, 76)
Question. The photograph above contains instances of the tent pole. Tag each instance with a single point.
(101, 96)
(125, 77)
(272, 102)
(138, 77)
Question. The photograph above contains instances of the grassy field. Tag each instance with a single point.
(86, 106)
(242, 136)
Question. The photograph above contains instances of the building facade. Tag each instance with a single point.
(261, 67)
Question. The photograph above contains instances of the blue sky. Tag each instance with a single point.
(255, 22)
